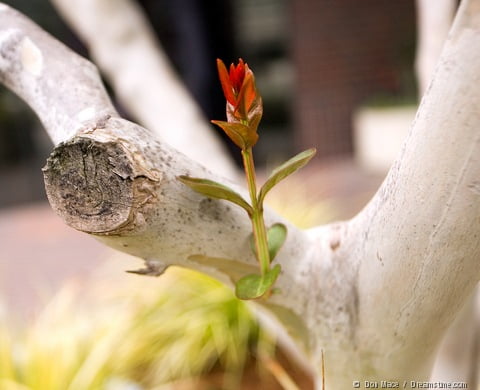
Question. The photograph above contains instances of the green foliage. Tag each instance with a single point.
(244, 112)
(284, 170)
(239, 133)
(139, 334)
(255, 286)
(215, 190)
(276, 236)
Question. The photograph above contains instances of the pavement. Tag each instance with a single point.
(38, 253)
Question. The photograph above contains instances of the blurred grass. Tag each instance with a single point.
(182, 327)
(301, 207)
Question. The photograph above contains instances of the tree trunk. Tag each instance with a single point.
(433, 24)
(457, 354)
(375, 293)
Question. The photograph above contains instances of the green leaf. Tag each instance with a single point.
(254, 286)
(215, 190)
(242, 135)
(235, 269)
(276, 235)
(284, 170)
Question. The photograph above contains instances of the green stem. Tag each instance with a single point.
(258, 224)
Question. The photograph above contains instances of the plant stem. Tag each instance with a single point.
(279, 373)
(258, 224)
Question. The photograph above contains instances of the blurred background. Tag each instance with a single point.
(335, 75)
(317, 63)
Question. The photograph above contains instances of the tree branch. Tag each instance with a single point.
(62, 88)
(413, 252)
(143, 79)
(433, 24)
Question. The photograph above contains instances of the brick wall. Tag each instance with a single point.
(344, 51)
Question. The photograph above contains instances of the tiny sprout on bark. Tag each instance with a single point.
(244, 112)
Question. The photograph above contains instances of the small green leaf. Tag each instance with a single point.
(254, 286)
(284, 170)
(276, 236)
(235, 269)
(215, 190)
(242, 135)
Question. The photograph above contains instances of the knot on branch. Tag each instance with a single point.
(94, 187)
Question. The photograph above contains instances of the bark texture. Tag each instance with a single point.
(131, 58)
(458, 353)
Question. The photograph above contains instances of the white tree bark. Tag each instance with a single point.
(122, 44)
(375, 293)
(434, 20)
(457, 357)
(44, 74)
(420, 232)
(454, 359)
